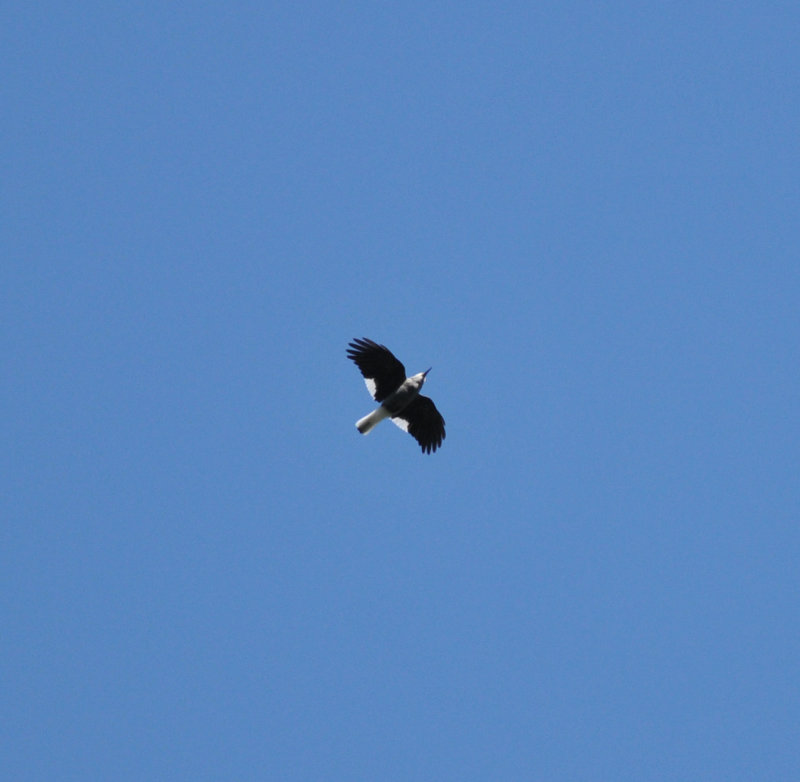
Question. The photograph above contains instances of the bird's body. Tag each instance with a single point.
(399, 395)
(394, 404)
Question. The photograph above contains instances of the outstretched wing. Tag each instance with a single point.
(423, 422)
(382, 372)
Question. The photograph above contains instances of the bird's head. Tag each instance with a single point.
(420, 377)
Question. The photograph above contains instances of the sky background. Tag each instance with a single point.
(584, 215)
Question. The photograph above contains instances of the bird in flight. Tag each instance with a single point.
(399, 395)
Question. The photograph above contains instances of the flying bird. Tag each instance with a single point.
(399, 395)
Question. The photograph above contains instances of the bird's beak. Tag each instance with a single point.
(426, 371)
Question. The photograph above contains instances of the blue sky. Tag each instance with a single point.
(583, 215)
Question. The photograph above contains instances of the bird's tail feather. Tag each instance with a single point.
(368, 422)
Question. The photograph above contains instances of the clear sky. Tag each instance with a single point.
(584, 215)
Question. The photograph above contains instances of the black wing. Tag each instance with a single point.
(382, 372)
(423, 422)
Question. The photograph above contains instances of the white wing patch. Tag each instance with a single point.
(401, 422)
(371, 386)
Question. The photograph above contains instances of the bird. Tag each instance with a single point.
(399, 395)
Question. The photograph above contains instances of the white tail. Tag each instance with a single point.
(369, 422)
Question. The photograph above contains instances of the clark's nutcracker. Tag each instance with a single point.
(399, 395)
